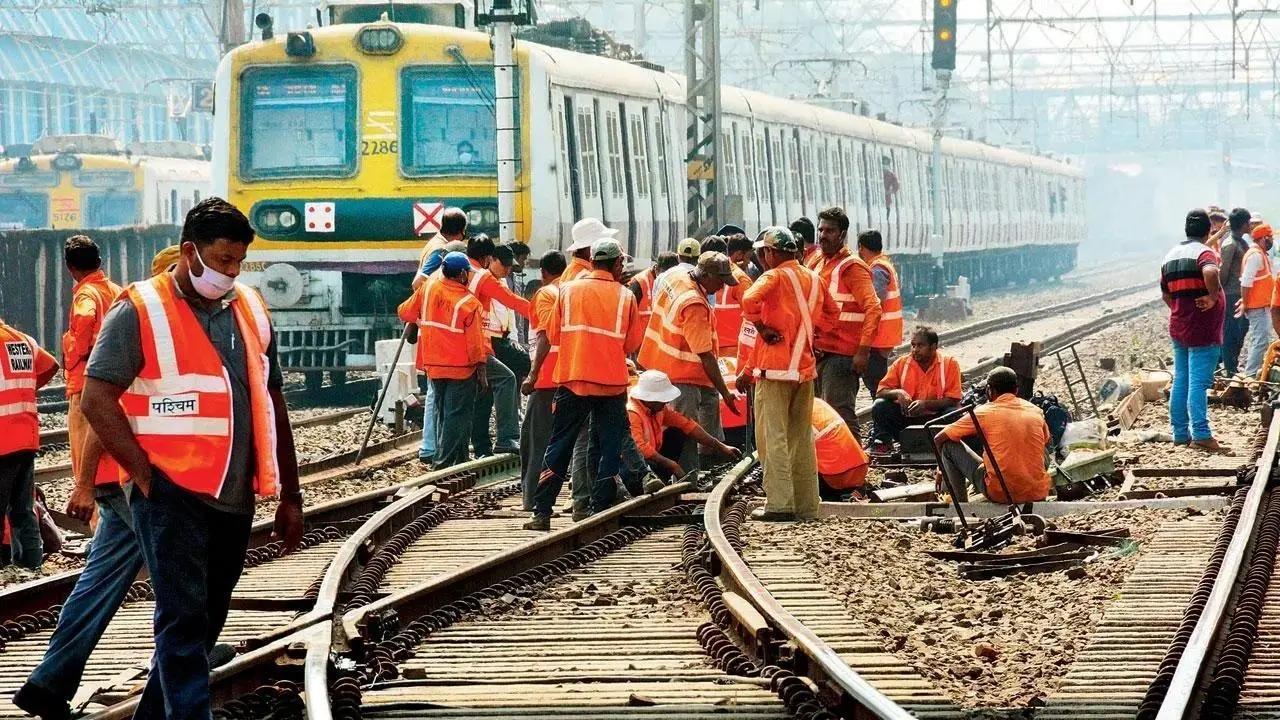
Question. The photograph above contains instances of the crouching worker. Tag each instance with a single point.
(1017, 437)
(842, 463)
(651, 419)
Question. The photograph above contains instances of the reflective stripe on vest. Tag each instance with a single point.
(804, 338)
(452, 326)
(645, 280)
(594, 316)
(942, 374)
(567, 326)
(664, 333)
(833, 426)
(889, 331)
(184, 419)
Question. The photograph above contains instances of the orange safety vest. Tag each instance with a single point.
(645, 281)
(546, 374)
(101, 292)
(179, 406)
(799, 299)
(577, 269)
(448, 311)
(1258, 295)
(838, 450)
(18, 392)
(595, 316)
(727, 313)
(889, 331)
(665, 347)
(847, 333)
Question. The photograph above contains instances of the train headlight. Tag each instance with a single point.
(66, 161)
(288, 218)
(269, 220)
(475, 217)
(379, 40)
(276, 219)
(299, 44)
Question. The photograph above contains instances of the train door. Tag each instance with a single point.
(669, 184)
(613, 181)
(777, 188)
(636, 156)
(764, 205)
(569, 181)
(658, 214)
(587, 160)
(745, 138)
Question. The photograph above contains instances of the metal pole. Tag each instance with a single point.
(935, 174)
(382, 395)
(504, 69)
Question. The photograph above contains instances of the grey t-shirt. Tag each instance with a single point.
(1233, 251)
(117, 359)
(880, 281)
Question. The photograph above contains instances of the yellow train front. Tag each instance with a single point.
(343, 144)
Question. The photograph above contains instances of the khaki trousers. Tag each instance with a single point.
(784, 443)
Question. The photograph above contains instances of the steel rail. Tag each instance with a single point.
(819, 661)
(1184, 693)
(58, 436)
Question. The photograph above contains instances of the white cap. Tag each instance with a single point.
(586, 232)
(655, 386)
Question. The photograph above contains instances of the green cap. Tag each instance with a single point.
(778, 238)
(606, 250)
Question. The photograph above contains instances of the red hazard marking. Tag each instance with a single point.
(428, 217)
(311, 226)
(328, 225)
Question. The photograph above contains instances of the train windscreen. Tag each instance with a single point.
(113, 209)
(298, 122)
(24, 210)
(448, 121)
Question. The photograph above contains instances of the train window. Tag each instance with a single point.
(837, 166)
(173, 207)
(779, 162)
(23, 210)
(661, 138)
(447, 122)
(762, 169)
(298, 122)
(748, 163)
(793, 167)
(613, 140)
(821, 184)
(640, 156)
(587, 151)
(807, 171)
(113, 209)
(725, 159)
(557, 127)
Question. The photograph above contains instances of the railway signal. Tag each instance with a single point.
(944, 34)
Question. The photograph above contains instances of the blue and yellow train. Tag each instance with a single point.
(341, 142)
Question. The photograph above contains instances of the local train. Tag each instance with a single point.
(84, 182)
(343, 142)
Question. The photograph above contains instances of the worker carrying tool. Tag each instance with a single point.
(1017, 439)
(453, 353)
(842, 463)
(917, 388)
(183, 389)
(651, 416)
(680, 340)
(595, 327)
(785, 305)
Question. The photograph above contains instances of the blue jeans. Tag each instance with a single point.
(113, 565)
(427, 450)
(455, 406)
(609, 424)
(1188, 403)
(1233, 332)
(195, 555)
(1259, 339)
(17, 502)
(501, 399)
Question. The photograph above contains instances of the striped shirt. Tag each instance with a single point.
(1182, 278)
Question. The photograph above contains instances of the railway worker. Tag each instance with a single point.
(453, 352)
(596, 326)
(652, 417)
(453, 227)
(680, 341)
(804, 229)
(785, 306)
(726, 304)
(1018, 441)
(26, 368)
(1232, 254)
(518, 282)
(1256, 284)
(884, 278)
(91, 297)
(742, 254)
(502, 320)
(501, 385)
(539, 385)
(688, 250)
(1189, 283)
(586, 232)
(917, 387)
(842, 463)
(427, 447)
(195, 447)
(642, 284)
(844, 350)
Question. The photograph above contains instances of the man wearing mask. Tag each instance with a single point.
(183, 390)
(1255, 298)
(1234, 246)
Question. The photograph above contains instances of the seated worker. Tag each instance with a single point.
(916, 388)
(650, 419)
(842, 463)
(1017, 437)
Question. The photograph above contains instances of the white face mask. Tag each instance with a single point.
(210, 284)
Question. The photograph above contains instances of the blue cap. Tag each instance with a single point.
(456, 262)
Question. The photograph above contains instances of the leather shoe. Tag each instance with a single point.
(539, 524)
(772, 516)
(41, 702)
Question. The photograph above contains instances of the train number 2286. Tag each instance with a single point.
(379, 147)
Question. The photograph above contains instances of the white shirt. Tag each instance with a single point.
(1250, 270)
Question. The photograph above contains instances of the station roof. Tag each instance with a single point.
(79, 63)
